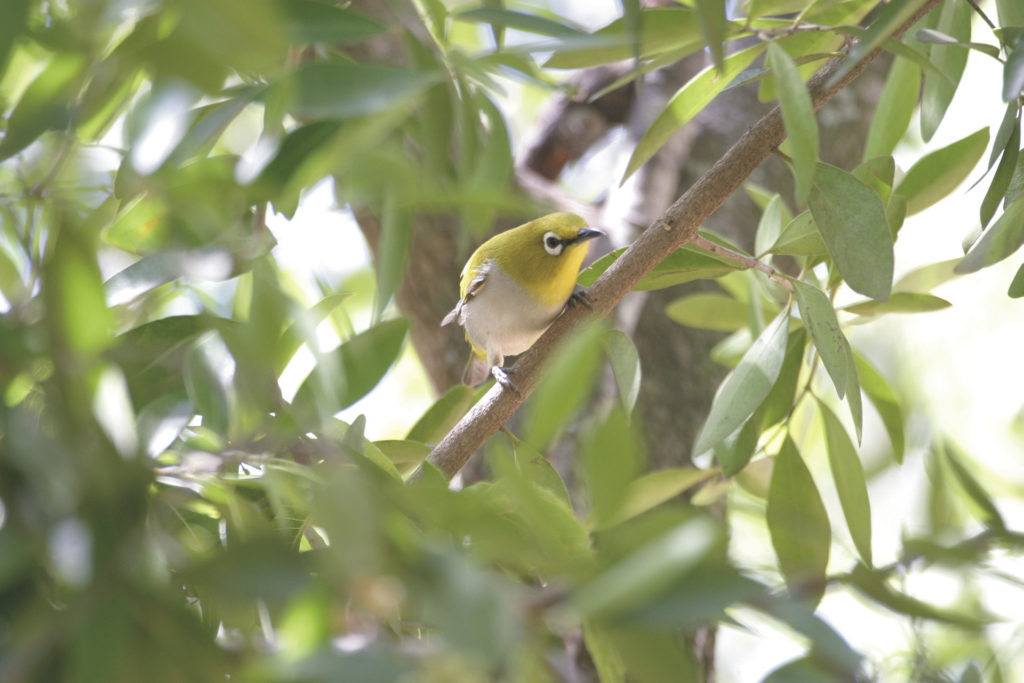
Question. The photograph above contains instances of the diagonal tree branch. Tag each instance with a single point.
(675, 228)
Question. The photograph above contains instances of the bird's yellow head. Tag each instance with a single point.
(544, 255)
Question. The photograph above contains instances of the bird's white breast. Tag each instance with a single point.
(503, 319)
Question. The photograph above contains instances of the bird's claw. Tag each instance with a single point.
(578, 297)
(501, 375)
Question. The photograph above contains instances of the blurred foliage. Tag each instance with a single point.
(166, 514)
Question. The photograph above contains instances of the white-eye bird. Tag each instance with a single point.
(514, 286)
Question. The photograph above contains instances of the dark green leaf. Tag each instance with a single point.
(1011, 120)
(851, 219)
(895, 108)
(337, 90)
(820, 320)
(345, 375)
(45, 104)
(780, 399)
(442, 415)
(885, 401)
(315, 21)
(1001, 240)
(745, 388)
(798, 524)
(15, 12)
(567, 383)
(986, 510)
(625, 362)
(938, 173)
(734, 451)
(954, 19)
(848, 475)
(1016, 290)
(1001, 180)
(805, 670)
(708, 311)
(899, 302)
(687, 103)
(798, 115)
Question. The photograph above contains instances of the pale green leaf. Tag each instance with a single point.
(899, 302)
(820, 320)
(652, 489)
(1000, 241)
(798, 116)
(708, 311)
(895, 108)
(442, 415)
(938, 173)
(745, 387)
(886, 403)
(625, 362)
(848, 475)
(954, 19)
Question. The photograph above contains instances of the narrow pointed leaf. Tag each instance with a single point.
(1016, 289)
(938, 173)
(987, 512)
(895, 108)
(892, 16)
(687, 103)
(954, 19)
(1000, 241)
(442, 415)
(746, 386)
(820, 320)
(1001, 178)
(886, 403)
(798, 116)
(625, 362)
(713, 24)
(1013, 73)
(708, 311)
(900, 302)
(852, 221)
(798, 524)
(853, 398)
(848, 475)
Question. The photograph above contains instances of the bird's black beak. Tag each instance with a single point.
(587, 234)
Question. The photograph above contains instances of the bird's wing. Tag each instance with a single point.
(474, 287)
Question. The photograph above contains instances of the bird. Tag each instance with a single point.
(514, 286)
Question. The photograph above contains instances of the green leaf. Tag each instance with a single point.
(536, 469)
(803, 670)
(985, 510)
(848, 475)
(687, 103)
(878, 173)
(345, 375)
(769, 228)
(74, 294)
(651, 490)
(567, 383)
(954, 19)
(442, 415)
(660, 29)
(610, 458)
(938, 173)
(885, 401)
(212, 264)
(392, 251)
(649, 570)
(891, 17)
(851, 219)
(928, 35)
(800, 237)
(683, 265)
(745, 387)
(406, 454)
(708, 311)
(1001, 179)
(872, 584)
(15, 12)
(798, 524)
(734, 451)
(713, 25)
(853, 398)
(521, 21)
(798, 115)
(1001, 240)
(1016, 289)
(304, 327)
(895, 108)
(1011, 13)
(899, 302)
(625, 362)
(45, 104)
(780, 399)
(820, 320)
(927, 277)
(1011, 120)
(1013, 73)
(209, 380)
(337, 90)
(315, 21)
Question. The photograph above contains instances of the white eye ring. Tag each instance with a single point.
(553, 244)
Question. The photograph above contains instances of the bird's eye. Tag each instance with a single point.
(553, 244)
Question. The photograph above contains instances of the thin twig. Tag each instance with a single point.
(747, 261)
(676, 227)
(983, 16)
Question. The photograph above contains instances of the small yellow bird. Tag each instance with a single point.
(514, 286)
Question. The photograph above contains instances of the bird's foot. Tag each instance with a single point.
(501, 375)
(579, 297)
